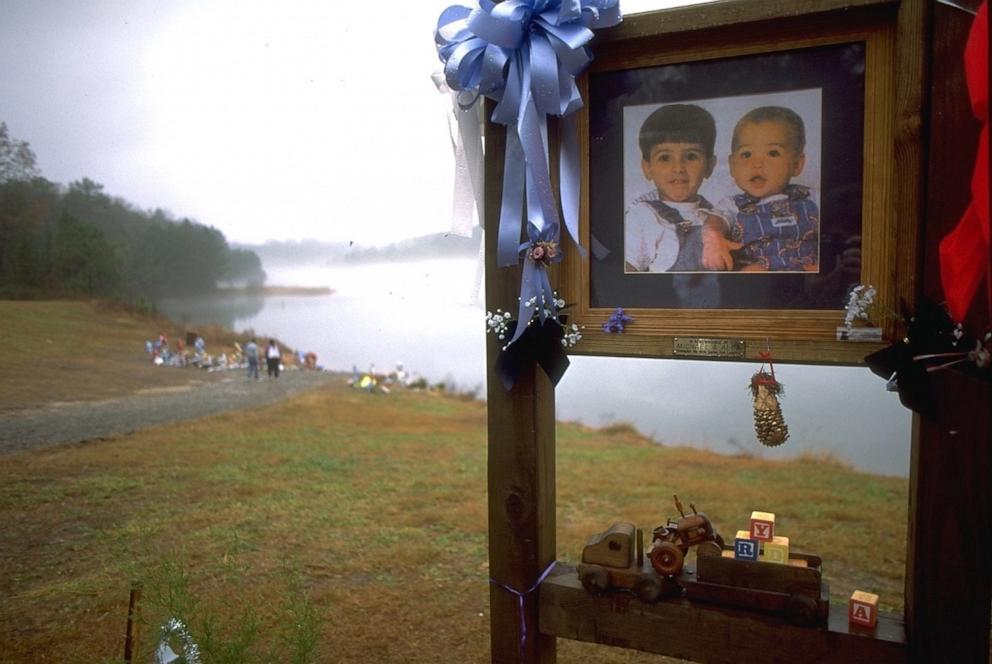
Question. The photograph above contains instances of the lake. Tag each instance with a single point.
(426, 315)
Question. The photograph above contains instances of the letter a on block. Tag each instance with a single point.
(863, 609)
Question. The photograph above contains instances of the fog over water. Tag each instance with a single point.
(425, 314)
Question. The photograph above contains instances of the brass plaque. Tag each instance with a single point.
(703, 347)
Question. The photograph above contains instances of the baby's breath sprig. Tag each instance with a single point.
(498, 323)
(573, 335)
(860, 304)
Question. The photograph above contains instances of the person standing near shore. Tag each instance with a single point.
(272, 358)
(251, 354)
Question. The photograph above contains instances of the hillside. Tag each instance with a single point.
(87, 350)
(435, 245)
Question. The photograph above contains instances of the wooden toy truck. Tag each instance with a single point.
(615, 559)
(795, 590)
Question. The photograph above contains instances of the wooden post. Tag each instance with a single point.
(521, 461)
(131, 631)
(948, 574)
(948, 577)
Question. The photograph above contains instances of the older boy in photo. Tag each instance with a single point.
(669, 229)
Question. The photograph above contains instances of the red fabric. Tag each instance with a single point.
(964, 252)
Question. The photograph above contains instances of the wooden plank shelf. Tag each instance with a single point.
(710, 633)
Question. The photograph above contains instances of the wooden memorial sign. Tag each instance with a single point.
(893, 177)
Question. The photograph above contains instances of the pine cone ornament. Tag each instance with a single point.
(769, 425)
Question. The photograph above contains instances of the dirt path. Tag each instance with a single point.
(59, 423)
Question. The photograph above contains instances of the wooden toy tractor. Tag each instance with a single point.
(615, 559)
(671, 542)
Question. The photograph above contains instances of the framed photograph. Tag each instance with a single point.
(739, 181)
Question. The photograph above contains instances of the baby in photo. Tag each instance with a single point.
(775, 223)
(669, 229)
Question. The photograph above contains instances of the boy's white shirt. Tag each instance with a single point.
(651, 242)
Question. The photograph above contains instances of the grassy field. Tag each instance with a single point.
(342, 526)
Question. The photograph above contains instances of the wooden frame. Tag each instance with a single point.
(948, 579)
(596, 284)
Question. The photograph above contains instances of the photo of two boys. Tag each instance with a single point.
(727, 184)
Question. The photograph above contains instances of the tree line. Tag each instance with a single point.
(57, 240)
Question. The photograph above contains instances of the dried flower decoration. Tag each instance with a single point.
(175, 633)
(544, 252)
(544, 337)
(860, 305)
(502, 324)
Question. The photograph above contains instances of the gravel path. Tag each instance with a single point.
(87, 420)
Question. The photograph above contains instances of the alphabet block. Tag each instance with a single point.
(862, 609)
(776, 551)
(745, 548)
(762, 526)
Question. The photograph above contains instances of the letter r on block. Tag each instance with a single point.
(745, 550)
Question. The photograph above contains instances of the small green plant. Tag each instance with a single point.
(223, 626)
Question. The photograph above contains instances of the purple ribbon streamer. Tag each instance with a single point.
(525, 54)
(520, 602)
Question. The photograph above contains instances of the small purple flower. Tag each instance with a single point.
(617, 321)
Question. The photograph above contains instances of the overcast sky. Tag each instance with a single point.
(306, 119)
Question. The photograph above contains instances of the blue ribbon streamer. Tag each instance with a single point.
(536, 295)
(525, 55)
(521, 595)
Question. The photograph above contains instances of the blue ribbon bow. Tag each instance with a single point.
(525, 55)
